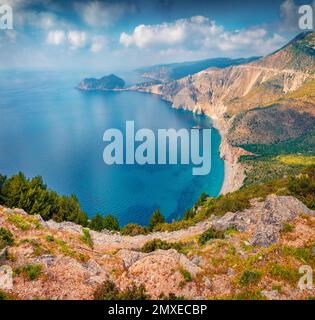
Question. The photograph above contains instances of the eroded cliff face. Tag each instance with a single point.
(237, 98)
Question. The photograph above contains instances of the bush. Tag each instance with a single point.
(157, 244)
(156, 219)
(109, 291)
(86, 237)
(31, 271)
(132, 229)
(110, 223)
(186, 275)
(6, 238)
(210, 234)
(287, 227)
(202, 199)
(249, 277)
(286, 273)
(189, 214)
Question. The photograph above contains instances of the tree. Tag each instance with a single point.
(156, 219)
(97, 223)
(110, 223)
(189, 214)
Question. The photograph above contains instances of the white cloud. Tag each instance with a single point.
(98, 14)
(56, 37)
(200, 34)
(77, 39)
(98, 43)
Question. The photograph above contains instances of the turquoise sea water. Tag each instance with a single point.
(49, 128)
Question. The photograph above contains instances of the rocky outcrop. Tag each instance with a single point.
(110, 82)
(265, 219)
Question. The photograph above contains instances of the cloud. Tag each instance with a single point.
(56, 37)
(98, 43)
(169, 34)
(98, 14)
(77, 39)
(201, 34)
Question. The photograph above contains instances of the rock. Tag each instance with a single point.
(129, 257)
(93, 267)
(270, 295)
(63, 226)
(20, 211)
(207, 282)
(230, 272)
(265, 217)
(188, 265)
(3, 254)
(196, 259)
(275, 211)
(47, 259)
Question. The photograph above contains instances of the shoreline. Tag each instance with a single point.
(234, 171)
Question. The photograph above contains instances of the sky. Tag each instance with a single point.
(124, 35)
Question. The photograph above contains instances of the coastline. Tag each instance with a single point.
(234, 171)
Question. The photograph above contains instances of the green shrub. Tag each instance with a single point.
(249, 295)
(286, 273)
(210, 234)
(110, 223)
(109, 291)
(50, 238)
(6, 296)
(6, 238)
(249, 277)
(86, 237)
(202, 199)
(157, 244)
(172, 296)
(156, 219)
(189, 214)
(186, 275)
(132, 229)
(31, 271)
(287, 227)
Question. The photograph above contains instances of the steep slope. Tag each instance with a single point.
(175, 71)
(266, 101)
(237, 88)
(55, 261)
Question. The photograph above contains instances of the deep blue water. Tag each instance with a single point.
(48, 128)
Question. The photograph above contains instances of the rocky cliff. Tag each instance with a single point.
(256, 254)
(265, 101)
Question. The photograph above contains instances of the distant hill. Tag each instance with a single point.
(266, 107)
(174, 71)
(105, 83)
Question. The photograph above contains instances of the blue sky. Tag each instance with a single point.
(117, 35)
